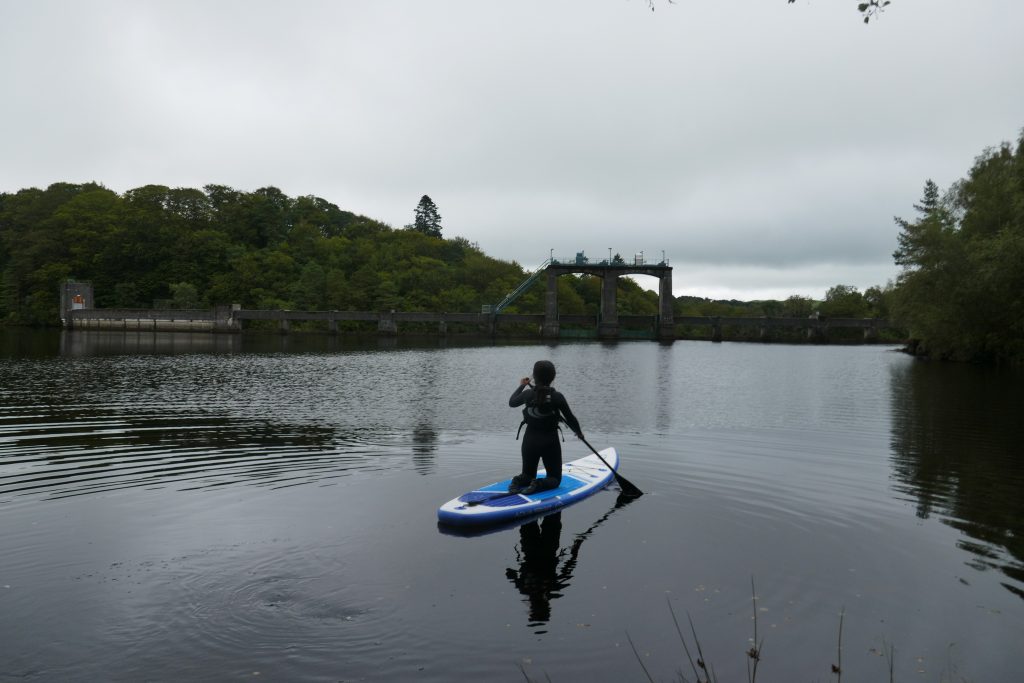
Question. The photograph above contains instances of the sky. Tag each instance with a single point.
(762, 147)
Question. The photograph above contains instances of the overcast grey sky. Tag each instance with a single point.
(764, 147)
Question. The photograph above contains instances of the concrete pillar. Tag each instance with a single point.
(666, 317)
(608, 326)
(716, 329)
(442, 328)
(551, 305)
(332, 325)
(871, 333)
(286, 325)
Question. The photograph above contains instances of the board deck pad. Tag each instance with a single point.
(580, 478)
(569, 483)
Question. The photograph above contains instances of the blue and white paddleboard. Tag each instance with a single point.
(493, 504)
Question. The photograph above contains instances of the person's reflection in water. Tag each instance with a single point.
(538, 576)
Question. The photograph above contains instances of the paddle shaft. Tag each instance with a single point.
(628, 487)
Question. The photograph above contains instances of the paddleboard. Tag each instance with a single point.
(493, 504)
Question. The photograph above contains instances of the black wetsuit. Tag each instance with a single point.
(540, 442)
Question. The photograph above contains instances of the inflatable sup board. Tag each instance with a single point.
(493, 504)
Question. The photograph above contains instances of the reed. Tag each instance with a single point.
(699, 666)
(837, 668)
(704, 672)
(754, 653)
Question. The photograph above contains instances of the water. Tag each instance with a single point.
(197, 507)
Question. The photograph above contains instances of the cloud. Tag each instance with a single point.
(765, 144)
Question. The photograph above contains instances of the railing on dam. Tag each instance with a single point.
(234, 318)
(170, 320)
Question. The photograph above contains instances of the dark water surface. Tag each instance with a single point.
(197, 507)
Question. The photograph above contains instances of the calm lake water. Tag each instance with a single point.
(194, 507)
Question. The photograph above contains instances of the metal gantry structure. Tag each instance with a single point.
(609, 271)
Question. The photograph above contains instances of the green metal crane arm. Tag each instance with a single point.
(521, 289)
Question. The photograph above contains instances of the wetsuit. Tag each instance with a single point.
(540, 442)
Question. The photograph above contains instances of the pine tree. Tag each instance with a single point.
(919, 240)
(428, 220)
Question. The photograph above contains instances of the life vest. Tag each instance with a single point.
(541, 415)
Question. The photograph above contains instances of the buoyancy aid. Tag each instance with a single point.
(540, 413)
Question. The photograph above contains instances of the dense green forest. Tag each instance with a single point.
(186, 248)
(961, 292)
(157, 246)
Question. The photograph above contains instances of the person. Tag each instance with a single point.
(543, 409)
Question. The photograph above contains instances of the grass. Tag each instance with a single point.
(703, 671)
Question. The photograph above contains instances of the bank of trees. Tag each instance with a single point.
(155, 246)
(161, 246)
(841, 301)
(961, 291)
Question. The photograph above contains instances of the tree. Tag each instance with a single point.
(843, 301)
(961, 291)
(386, 296)
(917, 239)
(184, 295)
(772, 309)
(933, 275)
(797, 306)
(428, 220)
(878, 299)
(984, 195)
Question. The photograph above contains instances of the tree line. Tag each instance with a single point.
(156, 246)
(960, 293)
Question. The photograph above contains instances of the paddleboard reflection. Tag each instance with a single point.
(544, 568)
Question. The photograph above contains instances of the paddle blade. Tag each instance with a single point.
(628, 488)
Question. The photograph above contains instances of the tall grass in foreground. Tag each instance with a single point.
(704, 671)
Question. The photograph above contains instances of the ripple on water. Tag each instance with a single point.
(771, 474)
(245, 608)
(60, 458)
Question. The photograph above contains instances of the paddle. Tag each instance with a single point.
(628, 489)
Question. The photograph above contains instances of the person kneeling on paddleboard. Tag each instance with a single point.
(544, 409)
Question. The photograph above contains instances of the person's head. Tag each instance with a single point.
(544, 372)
